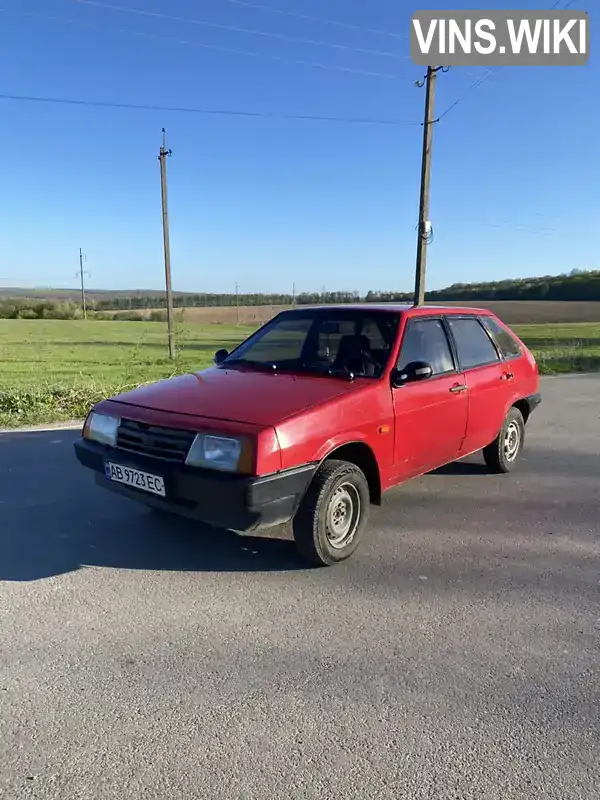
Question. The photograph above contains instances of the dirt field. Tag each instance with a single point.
(512, 312)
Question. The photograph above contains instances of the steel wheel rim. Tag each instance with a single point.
(512, 441)
(343, 515)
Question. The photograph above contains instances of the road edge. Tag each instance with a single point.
(51, 426)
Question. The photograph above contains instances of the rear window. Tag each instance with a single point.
(507, 344)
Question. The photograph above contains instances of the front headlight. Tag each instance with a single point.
(225, 453)
(101, 428)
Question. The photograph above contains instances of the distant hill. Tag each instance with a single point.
(575, 286)
(43, 293)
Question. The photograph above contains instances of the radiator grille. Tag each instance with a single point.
(150, 440)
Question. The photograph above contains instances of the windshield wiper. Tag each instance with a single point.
(244, 362)
(331, 372)
(341, 373)
(304, 369)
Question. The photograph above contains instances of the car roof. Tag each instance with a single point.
(392, 308)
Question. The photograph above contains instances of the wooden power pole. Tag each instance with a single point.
(423, 235)
(81, 274)
(162, 157)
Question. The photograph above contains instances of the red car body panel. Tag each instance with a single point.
(492, 390)
(238, 395)
(363, 414)
(431, 424)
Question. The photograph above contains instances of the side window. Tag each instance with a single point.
(509, 346)
(426, 340)
(475, 348)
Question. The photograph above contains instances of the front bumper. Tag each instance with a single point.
(218, 499)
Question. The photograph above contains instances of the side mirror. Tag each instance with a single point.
(220, 356)
(413, 372)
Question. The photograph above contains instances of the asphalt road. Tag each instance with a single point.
(455, 656)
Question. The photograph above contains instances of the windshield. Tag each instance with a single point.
(330, 341)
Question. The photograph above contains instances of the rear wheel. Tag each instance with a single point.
(333, 515)
(504, 452)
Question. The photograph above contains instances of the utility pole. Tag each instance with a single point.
(237, 305)
(162, 157)
(81, 273)
(423, 228)
(293, 295)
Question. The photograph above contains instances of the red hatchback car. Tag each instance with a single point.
(314, 416)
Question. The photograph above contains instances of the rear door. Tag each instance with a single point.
(489, 381)
(431, 415)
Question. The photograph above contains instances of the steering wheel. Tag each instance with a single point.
(364, 364)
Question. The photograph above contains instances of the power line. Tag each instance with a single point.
(491, 72)
(215, 47)
(211, 111)
(473, 86)
(564, 8)
(236, 29)
(312, 18)
(534, 230)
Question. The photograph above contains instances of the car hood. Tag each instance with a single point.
(238, 395)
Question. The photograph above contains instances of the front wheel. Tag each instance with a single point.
(504, 452)
(333, 515)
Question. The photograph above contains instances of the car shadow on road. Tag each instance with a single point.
(472, 465)
(54, 519)
(49, 545)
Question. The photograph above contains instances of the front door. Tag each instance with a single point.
(431, 414)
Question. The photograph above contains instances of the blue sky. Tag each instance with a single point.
(269, 202)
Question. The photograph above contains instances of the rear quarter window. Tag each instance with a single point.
(507, 344)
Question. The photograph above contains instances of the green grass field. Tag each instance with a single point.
(53, 370)
(64, 352)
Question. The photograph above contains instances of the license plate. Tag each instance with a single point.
(136, 478)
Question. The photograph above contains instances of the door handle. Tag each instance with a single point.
(459, 387)
(507, 376)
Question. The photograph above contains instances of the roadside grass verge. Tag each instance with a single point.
(560, 349)
(54, 371)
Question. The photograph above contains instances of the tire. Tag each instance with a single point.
(504, 452)
(322, 531)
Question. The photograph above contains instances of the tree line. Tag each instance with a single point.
(203, 300)
(23, 308)
(576, 286)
